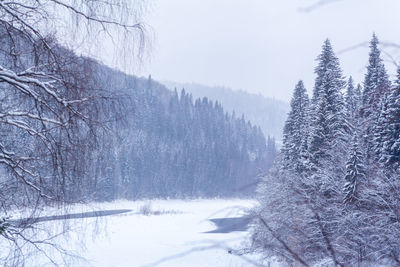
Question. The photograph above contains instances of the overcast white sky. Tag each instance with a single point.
(263, 46)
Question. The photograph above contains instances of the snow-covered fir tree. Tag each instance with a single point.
(376, 86)
(355, 172)
(296, 128)
(376, 81)
(328, 119)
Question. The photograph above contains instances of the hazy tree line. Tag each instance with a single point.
(170, 145)
(273, 112)
(333, 195)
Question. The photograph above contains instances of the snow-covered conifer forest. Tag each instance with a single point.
(332, 196)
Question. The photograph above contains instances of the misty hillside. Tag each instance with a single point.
(169, 144)
(268, 113)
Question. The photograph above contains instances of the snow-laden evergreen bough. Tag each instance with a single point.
(342, 207)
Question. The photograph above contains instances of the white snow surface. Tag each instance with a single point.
(175, 239)
(172, 234)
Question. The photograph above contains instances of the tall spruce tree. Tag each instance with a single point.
(328, 118)
(376, 85)
(296, 128)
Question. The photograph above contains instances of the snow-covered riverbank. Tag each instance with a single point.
(155, 233)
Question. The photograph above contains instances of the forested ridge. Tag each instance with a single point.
(332, 197)
(171, 145)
